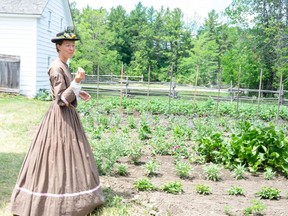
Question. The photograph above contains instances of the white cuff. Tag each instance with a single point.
(76, 87)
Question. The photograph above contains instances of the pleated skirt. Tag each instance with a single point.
(59, 174)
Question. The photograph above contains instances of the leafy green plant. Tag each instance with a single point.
(203, 189)
(135, 152)
(173, 187)
(239, 171)
(213, 172)
(269, 193)
(259, 147)
(152, 167)
(144, 130)
(104, 122)
(182, 132)
(159, 145)
(256, 208)
(236, 191)
(144, 184)
(182, 169)
(131, 122)
(269, 174)
(43, 95)
(212, 147)
(227, 210)
(105, 155)
(122, 169)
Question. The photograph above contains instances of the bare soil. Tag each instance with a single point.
(189, 202)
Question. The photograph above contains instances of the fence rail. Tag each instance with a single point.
(124, 86)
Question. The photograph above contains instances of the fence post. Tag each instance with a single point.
(148, 92)
(171, 75)
(219, 87)
(97, 84)
(195, 88)
(279, 95)
(259, 93)
(122, 68)
(238, 90)
(127, 83)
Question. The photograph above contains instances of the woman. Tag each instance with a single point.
(59, 174)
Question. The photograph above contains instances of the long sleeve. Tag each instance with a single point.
(60, 86)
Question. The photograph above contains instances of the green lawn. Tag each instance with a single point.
(19, 118)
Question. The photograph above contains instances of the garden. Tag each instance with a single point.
(188, 160)
(185, 160)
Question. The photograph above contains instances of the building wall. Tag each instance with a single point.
(18, 37)
(29, 36)
(54, 19)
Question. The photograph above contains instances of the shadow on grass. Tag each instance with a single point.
(10, 164)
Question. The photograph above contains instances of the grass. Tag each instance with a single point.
(19, 118)
(18, 115)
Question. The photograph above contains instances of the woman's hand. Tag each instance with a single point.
(80, 75)
(84, 95)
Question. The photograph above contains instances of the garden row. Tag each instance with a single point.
(255, 144)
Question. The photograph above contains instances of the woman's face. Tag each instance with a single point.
(66, 49)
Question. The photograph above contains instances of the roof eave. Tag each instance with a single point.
(20, 15)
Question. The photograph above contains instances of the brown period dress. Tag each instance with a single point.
(59, 174)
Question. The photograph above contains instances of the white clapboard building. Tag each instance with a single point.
(26, 29)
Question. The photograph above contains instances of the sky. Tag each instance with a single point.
(190, 8)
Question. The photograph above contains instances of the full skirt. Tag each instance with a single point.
(59, 174)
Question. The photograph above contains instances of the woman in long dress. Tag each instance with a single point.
(59, 174)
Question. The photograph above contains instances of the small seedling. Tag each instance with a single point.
(236, 191)
(135, 153)
(122, 170)
(152, 167)
(269, 193)
(239, 171)
(182, 169)
(257, 208)
(269, 174)
(212, 172)
(173, 187)
(144, 184)
(131, 122)
(203, 189)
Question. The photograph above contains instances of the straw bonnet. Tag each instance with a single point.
(67, 34)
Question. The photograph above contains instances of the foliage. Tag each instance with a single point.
(173, 187)
(212, 147)
(43, 95)
(144, 184)
(144, 130)
(269, 174)
(152, 167)
(131, 122)
(122, 170)
(256, 208)
(259, 147)
(203, 189)
(239, 171)
(213, 172)
(236, 190)
(269, 193)
(135, 152)
(182, 169)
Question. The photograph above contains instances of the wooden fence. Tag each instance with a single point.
(9, 73)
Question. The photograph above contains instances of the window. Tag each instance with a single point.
(49, 20)
(48, 61)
